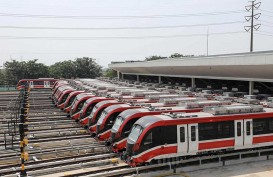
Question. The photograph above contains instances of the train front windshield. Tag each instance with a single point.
(102, 117)
(135, 133)
(117, 124)
(74, 103)
(84, 105)
(71, 101)
(64, 98)
(93, 111)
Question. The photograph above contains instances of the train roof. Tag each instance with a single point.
(95, 98)
(106, 102)
(113, 107)
(40, 79)
(82, 95)
(76, 92)
(211, 112)
(65, 87)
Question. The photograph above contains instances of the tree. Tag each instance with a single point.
(82, 67)
(154, 57)
(16, 70)
(176, 55)
(110, 73)
(2, 77)
(87, 68)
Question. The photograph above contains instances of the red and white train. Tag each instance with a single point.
(126, 119)
(218, 128)
(41, 83)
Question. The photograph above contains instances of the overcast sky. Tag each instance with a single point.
(127, 13)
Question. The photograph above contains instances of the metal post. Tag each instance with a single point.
(251, 18)
(251, 87)
(22, 150)
(118, 75)
(137, 78)
(159, 80)
(193, 82)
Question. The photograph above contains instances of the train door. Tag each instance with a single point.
(193, 138)
(248, 133)
(31, 84)
(182, 139)
(239, 137)
(46, 84)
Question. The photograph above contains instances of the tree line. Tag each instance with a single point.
(79, 68)
(157, 57)
(15, 70)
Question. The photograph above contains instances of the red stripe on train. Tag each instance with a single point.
(216, 144)
(159, 151)
(262, 139)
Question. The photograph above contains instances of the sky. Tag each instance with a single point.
(53, 31)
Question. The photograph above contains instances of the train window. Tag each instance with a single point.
(193, 133)
(225, 129)
(52, 82)
(216, 130)
(262, 126)
(38, 82)
(170, 133)
(148, 139)
(23, 83)
(239, 129)
(259, 127)
(128, 127)
(206, 131)
(270, 125)
(248, 128)
(182, 134)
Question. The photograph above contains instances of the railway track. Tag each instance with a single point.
(58, 146)
(55, 142)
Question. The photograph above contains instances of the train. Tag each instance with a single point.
(216, 129)
(41, 83)
(127, 118)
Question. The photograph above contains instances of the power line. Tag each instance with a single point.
(266, 11)
(264, 34)
(119, 37)
(265, 21)
(268, 32)
(120, 28)
(120, 17)
(268, 15)
(268, 25)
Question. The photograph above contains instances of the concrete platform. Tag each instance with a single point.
(250, 169)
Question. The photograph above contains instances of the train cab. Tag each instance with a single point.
(79, 101)
(64, 96)
(215, 129)
(88, 107)
(92, 119)
(70, 99)
(107, 119)
(127, 118)
(60, 91)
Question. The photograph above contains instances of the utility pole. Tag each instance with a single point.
(208, 41)
(254, 6)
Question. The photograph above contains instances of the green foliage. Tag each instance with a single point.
(2, 77)
(154, 57)
(110, 73)
(15, 70)
(80, 67)
(176, 55)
